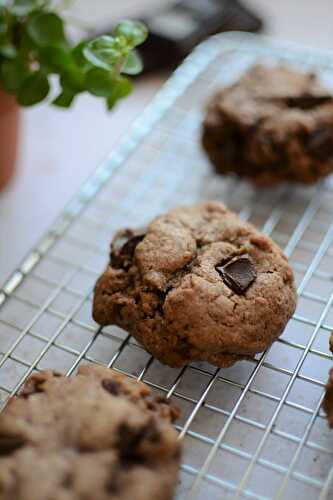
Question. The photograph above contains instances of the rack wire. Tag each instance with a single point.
(254, 430)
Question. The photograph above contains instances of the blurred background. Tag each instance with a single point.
(59, 149)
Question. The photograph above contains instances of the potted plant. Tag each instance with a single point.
(36, 54)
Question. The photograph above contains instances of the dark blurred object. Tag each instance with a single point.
(177, 28)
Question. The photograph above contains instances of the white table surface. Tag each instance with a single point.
(59, 149)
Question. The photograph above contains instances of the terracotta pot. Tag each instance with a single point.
(9, 132)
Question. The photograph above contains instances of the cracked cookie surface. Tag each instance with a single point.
(95, 435)
(199, 284)
(275, 124)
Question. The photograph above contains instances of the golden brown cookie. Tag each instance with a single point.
(199, 284)
(328, 399)
(331, 342)
(275, 124)
(98, 435)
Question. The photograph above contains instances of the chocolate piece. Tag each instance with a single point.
(67, 481)
(238, 273)
(123, 247)
(307, 102)
(9, 444)
(321, 143)
(131, 442)
(35, 384)
(112, 386)
(304, 102)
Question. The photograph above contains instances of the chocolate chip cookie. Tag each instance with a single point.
(275, 124)
(328, 399)
(97, 435)
(198, 284)
(331, 342)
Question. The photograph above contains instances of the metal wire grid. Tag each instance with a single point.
(254, 430)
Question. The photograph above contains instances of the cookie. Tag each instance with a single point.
(96, 435)
(328, 399)
(331, 342)
(275, 124)
(198, 284)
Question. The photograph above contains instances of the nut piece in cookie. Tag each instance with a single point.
(274, 124)
(96, 435)
(201, 284)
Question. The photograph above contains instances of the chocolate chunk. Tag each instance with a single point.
(9, 444)
(67, 481)
(163, 400)
(35, 384)
(131, 441)
(123, 247)
(151, 405)
(156, 403)
(129, 247)
(320, 143)
(174, 410)
(306, 102)
(238, 273)
(112, 387)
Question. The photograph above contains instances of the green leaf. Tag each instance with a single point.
(134, 32)
(12, 74)
(46, 29)
(27, 46)
(122, 88)
(64, 99)
(25, 7)
(33, 45)
(3, 26)
(7, 48)
(8, 51)
(100, 82)
(34, 89)
(55, 59)
(73, 78)
(77, 54)
(103, 52)
(133, 64)
(125, 87)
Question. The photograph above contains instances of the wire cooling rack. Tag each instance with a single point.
(254, 430)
